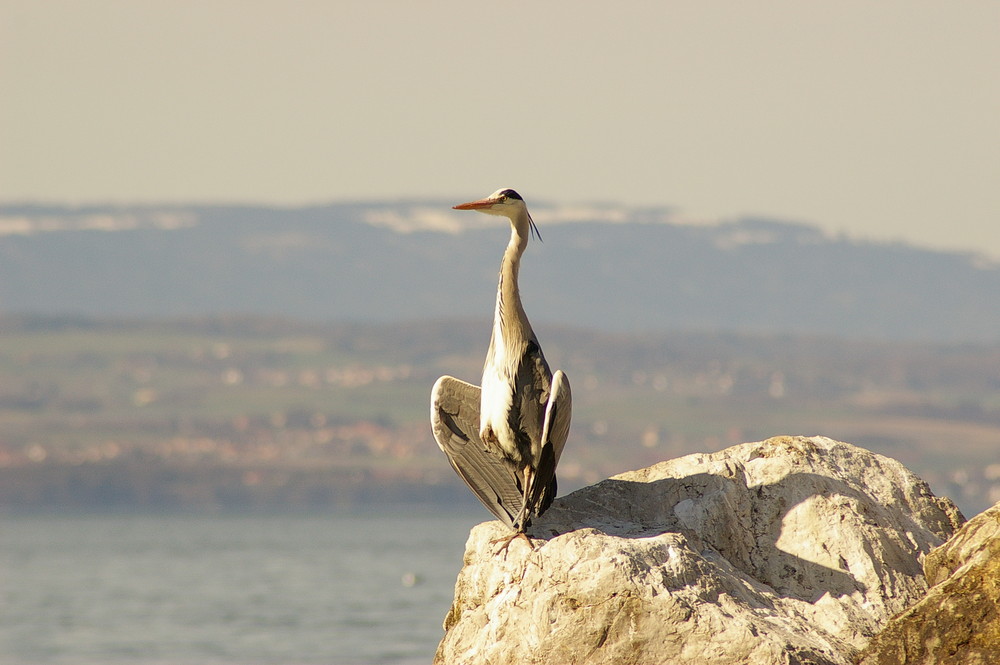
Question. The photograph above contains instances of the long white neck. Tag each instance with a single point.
(510, 324)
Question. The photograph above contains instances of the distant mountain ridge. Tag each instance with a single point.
(614, 269)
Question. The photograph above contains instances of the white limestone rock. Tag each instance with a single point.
(791, 550)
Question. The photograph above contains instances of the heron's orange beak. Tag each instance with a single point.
(475, 205)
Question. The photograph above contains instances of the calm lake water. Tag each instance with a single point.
(357, 589)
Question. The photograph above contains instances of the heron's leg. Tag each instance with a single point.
(525, 513)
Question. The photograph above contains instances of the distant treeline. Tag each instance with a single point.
(151, 486)
(224, 412)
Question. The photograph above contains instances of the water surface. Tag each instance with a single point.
(342, 589)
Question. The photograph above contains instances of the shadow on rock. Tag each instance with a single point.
(743, 523)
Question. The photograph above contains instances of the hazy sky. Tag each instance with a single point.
(879, 119)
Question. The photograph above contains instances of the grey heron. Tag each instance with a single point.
(504, 438)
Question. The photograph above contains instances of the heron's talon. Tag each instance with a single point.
(508, 540)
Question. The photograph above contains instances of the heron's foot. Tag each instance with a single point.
(507, 540)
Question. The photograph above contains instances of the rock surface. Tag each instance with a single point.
(958, 622)
(792, 550)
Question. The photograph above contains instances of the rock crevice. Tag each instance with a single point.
(958, 621)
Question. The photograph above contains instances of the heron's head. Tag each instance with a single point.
(505, 202)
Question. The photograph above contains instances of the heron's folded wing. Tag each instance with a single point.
(455, 421)
(558, 414)
(555, 431)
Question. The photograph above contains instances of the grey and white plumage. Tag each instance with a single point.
(504, 439)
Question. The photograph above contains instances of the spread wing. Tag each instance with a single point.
(555, 431)
(455, 421)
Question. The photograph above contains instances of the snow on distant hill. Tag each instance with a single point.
(602, 266)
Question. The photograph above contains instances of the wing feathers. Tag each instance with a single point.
(455, 421)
